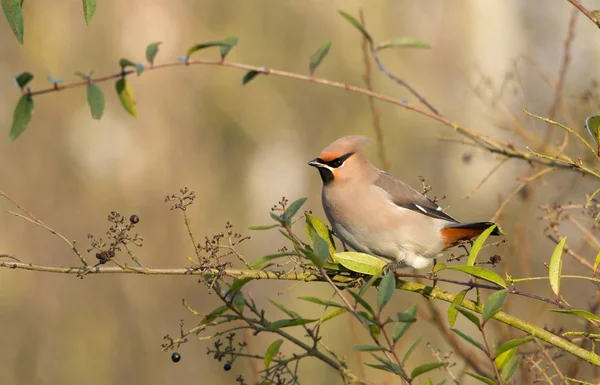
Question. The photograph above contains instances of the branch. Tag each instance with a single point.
(584, 10)
(427, 291)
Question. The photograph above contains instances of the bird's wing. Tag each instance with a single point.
(405, 196)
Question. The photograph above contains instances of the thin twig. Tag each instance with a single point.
(584, 10)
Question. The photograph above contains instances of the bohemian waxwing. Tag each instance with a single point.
(376, 213)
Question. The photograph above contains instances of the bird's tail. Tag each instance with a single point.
(453, 233)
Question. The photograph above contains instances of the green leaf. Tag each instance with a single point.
(422, 369)
(360, 262)
(596, 263)
(320, 301)
(151, 51)
(139, 67)
(267, 258)
(555, 266)
(249, 76)
(275, 217)
(482, 273)
(14, 15)
(95, 99)
(578, 313)
(510, 368)
(89, 8)
(486, 380)
(331, 315)
(238, 301)
(368, 348)
(357, 25)
(400, 328)
(468, 315)
(592, 123)
(286, 323)
(198, 47)
(21, 117)
(370, 282)
(314, 223)
(361, 301)
(512, 344)
(387, 286)
(126, 96)
(478, 244)
(293, 209)
(230, 41)
(411, 350)
(238, 283)
(391, 367)
(210, 317)
(452, 309)
(501, 360)
(318, 57)
(428, 382)
(469, 339)
(493, 304)
(23, 79)
(402, 42)
(262, 227)
(272, 351)
(406, 317)
(284, 309)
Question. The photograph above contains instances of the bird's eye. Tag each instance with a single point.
(337, 163)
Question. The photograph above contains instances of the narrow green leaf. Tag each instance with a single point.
(314, 223)
(139, 67)
(23, 79)
(249, 76)
(400, 328)
(578, 313)
(592, 123)
(452, 309)
(198, 47)
(151, 51)
(21, 117)
(238, 283)
(238, 301)
(126, 96)
(284, 309)
(320, 301)
(555, 266)
(482, 273)
(510, 368)
(468, 315)
(263, 227)
(286, 323)
(275, 217)
(428, 382)
(469, 339)
(478, 244)
(272, 351)
(267, 258)
(422, 369)
(230, 41)
(95, 99)
(392, 367)
(370, 282)
(360, 262)
(89, 8)
(512, 344)
(387, 286)
(483, 379)
(210, 317)
(14, 15)
(331, 315)
(318, 57)
(493, 304)
(293, 209)
(368, 348)
(357, 25)
(411, 350)
(361, 301)
(402, 42)
(406, 317)
(502, 359)
(596, 263)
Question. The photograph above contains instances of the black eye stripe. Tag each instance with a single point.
(335, 163)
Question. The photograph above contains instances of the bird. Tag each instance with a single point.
(376, 213)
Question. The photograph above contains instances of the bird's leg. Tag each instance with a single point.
(393, 266)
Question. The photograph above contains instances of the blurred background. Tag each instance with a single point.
(242, 148)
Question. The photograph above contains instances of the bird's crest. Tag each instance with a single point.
(343, 146)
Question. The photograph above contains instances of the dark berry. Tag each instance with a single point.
(134, 219)
(175, 357)
(111, 253)
(99, 255)
(227, 366)
(495, 259)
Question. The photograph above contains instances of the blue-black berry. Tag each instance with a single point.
(227, 366)
(134, 219)
(175, 357)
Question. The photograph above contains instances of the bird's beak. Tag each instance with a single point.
(315, 163)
